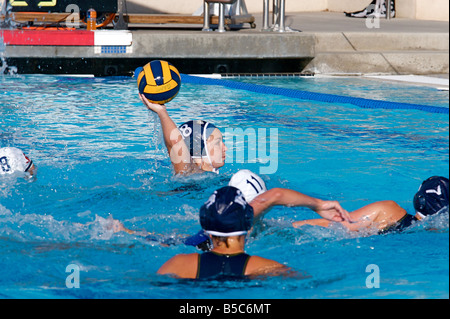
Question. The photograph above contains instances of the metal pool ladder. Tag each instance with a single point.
(240, 15)
(278, 16)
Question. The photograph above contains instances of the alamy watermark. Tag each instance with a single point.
(73, 19)
(373, 280)
(249, 145)
(373, 22)
(261, 145)
(73, 279)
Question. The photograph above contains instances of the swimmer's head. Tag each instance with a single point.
(226, 213)
(250, 184)
(432, 196)
(13, 160)
(198, 135)
(137, 72)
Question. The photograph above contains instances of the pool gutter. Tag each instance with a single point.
(395, 49)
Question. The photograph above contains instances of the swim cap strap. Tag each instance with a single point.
(422, 216)
(220, 234)
(29, 164)
(205, 138)
(195, 134)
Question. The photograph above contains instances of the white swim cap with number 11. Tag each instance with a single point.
(250, 184)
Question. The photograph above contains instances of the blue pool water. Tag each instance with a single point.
(100, 157)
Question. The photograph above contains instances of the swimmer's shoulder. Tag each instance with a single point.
(258, 266)
(182, 266)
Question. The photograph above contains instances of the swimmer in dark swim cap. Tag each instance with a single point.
(262, 200)
(254, 191)
(194, 147)
(207, 155)
(387, 216)
(226, 217)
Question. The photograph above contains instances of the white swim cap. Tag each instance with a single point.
(12, 160)
(250, 184)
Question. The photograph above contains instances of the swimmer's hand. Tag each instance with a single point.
(333, 211)
(115, 225)
(157, 108)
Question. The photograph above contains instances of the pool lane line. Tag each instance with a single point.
(313, 96)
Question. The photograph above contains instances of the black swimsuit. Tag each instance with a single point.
(214, 265)
(400, 225)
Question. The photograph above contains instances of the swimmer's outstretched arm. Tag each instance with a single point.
(353, 226)
(117, 226)
(330, 210)
(178, 151)
(379, 214)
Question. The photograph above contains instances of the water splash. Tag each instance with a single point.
(6, 22)
(4, 67)
(36, 227)
(3, 64)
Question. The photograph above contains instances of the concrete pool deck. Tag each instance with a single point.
(329, 43)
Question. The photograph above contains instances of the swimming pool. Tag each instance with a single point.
(100, 156)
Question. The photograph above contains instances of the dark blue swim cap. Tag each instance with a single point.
(137, 72)
(226, 213)
(432, 196)
(195, 134)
